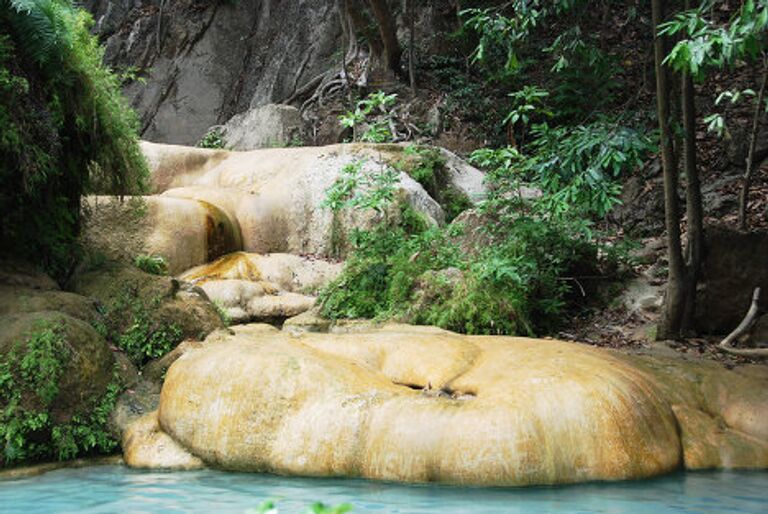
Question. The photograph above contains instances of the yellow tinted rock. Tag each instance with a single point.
(184, 232)
(276, 194)
(146, 446)
(421, 404)
(288, 272)
(514, 411)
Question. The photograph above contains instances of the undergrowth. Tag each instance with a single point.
(129, 322)
(30, 378)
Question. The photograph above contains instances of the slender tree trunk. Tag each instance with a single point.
(744, 195)
(694, 209)
(674, 302)
(411, 45)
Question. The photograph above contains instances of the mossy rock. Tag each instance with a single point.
(107, 283)
(20, 299)
(151, 310)
(86, 366)
(194, 315)
(23, 274)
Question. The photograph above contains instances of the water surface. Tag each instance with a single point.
(109, 489)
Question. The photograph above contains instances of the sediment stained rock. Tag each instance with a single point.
(421, 404)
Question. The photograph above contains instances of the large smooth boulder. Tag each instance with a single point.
(267, 126)
(184, 232)
(421, 404)
(276, 195)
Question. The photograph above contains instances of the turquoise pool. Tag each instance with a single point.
(109, 489)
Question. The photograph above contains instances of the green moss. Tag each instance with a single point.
(152, 264)
(128, 322)
(30, 378)
(427, 166)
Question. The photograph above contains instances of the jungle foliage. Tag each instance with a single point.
(65, 130)
(517, 279)
(517, 261)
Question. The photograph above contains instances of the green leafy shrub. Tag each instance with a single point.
(518, 282)
(373, 112)
(577, 168)
(580, 65)
(519, 285)
(497, 30)
(213, 139)
(379, 275)
(29, 385)
(360, 187)
(65, 130)
(527, 104)
(152, 264)
(129, 323)
(703, 44)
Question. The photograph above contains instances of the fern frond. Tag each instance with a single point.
(43, 27)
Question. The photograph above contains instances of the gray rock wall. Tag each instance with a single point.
(205, 61)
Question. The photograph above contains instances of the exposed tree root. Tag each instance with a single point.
(749, 320)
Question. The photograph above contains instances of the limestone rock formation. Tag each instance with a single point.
(276, 194)
(288, 272)
(149, 447)
(252, 287)
(118, 287)
(184, 232)
(420, 404)
(208, 203)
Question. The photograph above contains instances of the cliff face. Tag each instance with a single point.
(204, 61)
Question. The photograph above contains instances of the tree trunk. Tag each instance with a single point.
(674, 301)
(360, 25)
(411, 45)
(694, 209)
(744, 195)
(388, 31)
